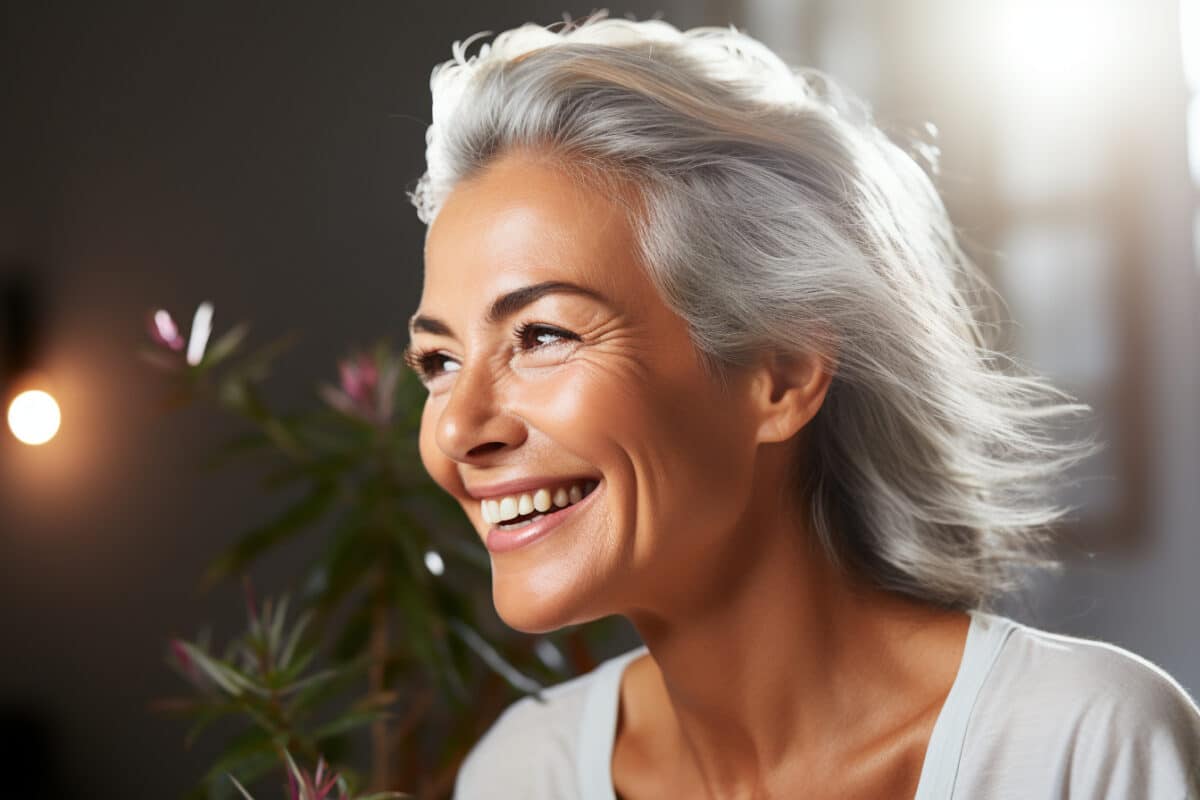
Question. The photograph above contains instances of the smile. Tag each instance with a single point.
(518, 510)
(522, 529)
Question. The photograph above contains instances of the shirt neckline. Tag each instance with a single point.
(985, 637)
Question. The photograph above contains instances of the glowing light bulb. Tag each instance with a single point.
(34, 417)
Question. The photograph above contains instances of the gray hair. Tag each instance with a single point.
(777, 216)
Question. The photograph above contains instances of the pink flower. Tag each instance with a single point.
(180, 653)
(164, 330)
(303, 786)
(360, 379)
(315, 786)
(367, 388)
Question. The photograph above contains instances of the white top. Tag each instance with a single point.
(1030, 715)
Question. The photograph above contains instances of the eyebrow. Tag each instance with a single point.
(506, 305)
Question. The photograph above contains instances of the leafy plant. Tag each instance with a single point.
(318, 785)
(398, 595)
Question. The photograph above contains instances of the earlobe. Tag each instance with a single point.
(789, 390)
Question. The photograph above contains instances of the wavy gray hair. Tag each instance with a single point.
(776, 215)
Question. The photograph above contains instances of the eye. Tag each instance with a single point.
(532, 335)
(429, 364)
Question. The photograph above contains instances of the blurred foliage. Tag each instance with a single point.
(396, 631)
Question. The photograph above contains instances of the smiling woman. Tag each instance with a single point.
(701, 351)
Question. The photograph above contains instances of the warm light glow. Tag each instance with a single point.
(1051, 47)
(33, 417)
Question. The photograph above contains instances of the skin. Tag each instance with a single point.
(769, 673)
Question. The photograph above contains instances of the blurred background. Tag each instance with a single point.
(257, 155)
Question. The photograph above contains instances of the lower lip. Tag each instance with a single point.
(502, 541)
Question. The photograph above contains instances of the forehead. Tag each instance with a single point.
(525, 218)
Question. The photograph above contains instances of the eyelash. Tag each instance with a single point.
(426, 362)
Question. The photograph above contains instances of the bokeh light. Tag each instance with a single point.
(34, 417)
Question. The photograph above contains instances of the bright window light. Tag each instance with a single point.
(33, 417)
(1189, 31)
(1053, 47)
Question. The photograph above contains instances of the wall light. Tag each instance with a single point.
(34, 416)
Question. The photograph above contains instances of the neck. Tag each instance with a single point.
(778, 665)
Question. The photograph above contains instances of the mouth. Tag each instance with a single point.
(524, 529)
(515, 511)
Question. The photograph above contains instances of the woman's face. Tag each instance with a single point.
(588, 380)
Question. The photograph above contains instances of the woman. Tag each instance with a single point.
(700, 351)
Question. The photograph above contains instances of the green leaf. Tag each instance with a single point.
(207, 718)
(347, 560)
(227, 677)
(289, 649)
(348, 722)
(315, 679)
(240, 788)
(257, 365)
(256, 541)
(283, 436)
(275, 629)
(313, 696)
(249, 756)
(298, 665)
(225, 346)
(352, 641)
(239, 395)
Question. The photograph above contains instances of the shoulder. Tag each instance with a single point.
(1086, 715)
(531, 750)
(1069, 673)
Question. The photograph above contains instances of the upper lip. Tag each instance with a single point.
(481, 491)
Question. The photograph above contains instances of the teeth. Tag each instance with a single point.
(508, 508)
(513, 526)
(505, 508)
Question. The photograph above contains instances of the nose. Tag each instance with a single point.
(473, 424)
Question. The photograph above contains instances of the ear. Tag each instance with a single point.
(787, 391)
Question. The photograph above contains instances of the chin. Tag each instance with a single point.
(525, 608)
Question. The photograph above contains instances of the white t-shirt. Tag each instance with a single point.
(1030, 715)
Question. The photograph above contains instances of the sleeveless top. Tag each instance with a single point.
(1029, 715)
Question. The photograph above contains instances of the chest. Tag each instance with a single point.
(890, 767)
